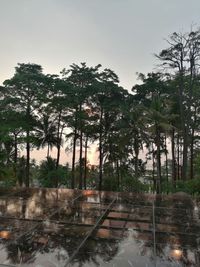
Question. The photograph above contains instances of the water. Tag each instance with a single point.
(61, 227)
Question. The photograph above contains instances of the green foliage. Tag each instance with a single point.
(128, 183)
(110, 184)
(133, 184)
(87, 105)
(197, 165)
(7, 178)
(191, 187)
(49, 174)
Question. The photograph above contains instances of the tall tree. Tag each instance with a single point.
(182, 57)
(107, 98)
(26, 91)
(81, 77)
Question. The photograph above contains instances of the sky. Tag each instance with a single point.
(119, 34)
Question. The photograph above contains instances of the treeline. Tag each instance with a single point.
(86, 104)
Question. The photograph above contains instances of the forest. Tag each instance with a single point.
(147, 138)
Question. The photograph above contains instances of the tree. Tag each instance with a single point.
(81, 79)
(182, 57)
(46, 134)
(153, 95)
(107, 99)
(25, 92)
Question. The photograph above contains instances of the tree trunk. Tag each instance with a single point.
(118, 175)
(136, 150)
(158, 161)
(81, 161)
(73, 159)
(81, 149)
(178, 157)
(48, 150)
(74, 152)
(173, 159)
(85, 163)
(181, 154)
(15, 155)
(58, 141)
(153, 169)
(185, 155)
(183, 123)
(193, 123)
(192, 155)
(100, 152)
(192, 147)
(27, 158)
(15, 147)
(166, 160)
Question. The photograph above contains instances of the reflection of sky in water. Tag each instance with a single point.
(44, 228)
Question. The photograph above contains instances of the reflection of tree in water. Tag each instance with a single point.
(35, 203)
(24, 251)
(55, 239)
(78, 212)
(174, 214)
(96, 250)
(60, 240)
(177, 212)
(136, 226)
(18, 254)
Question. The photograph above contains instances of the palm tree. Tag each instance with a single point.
(46, 133)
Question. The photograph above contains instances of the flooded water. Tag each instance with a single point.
(61, 227)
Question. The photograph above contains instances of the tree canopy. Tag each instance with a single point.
(146, 139)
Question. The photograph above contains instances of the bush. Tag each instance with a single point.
(49, 176)
(127, 184)
(110, 183)
(132, 184)
(191, 187)
(7, 178)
